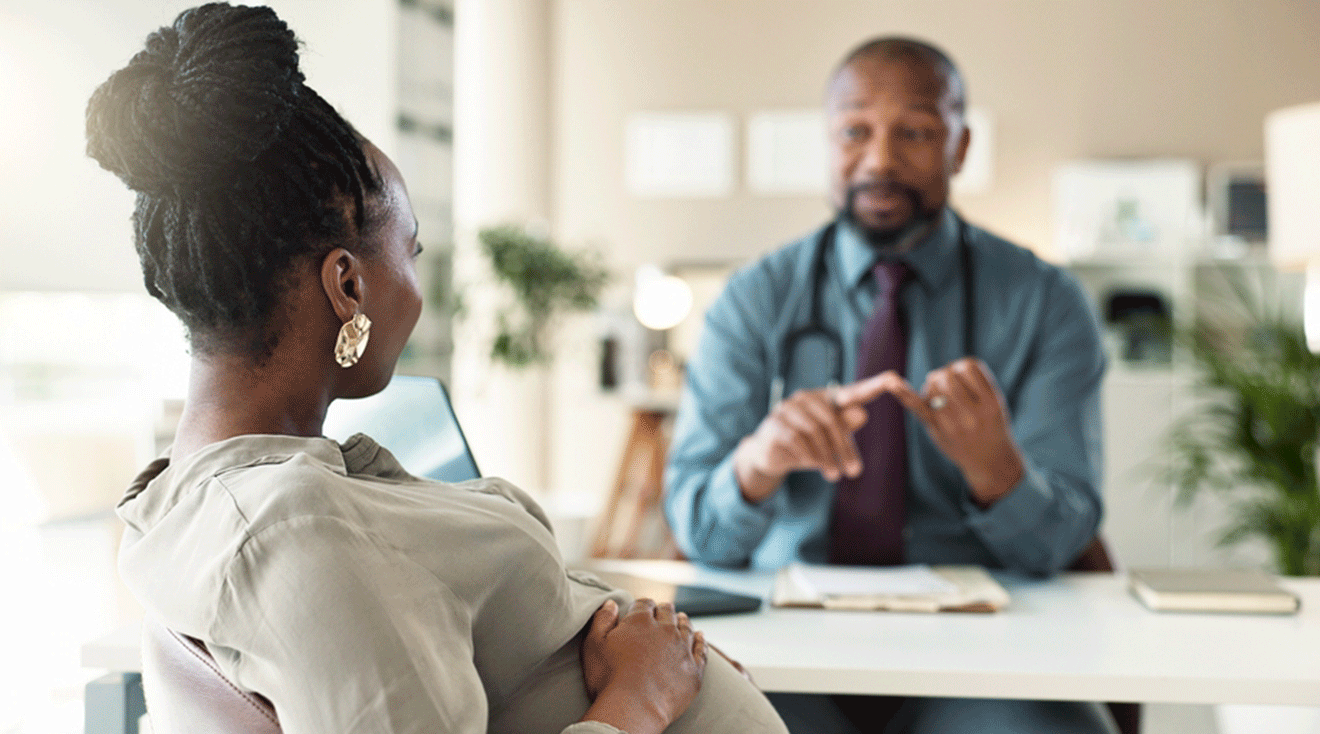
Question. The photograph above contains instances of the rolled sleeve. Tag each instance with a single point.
(1009, 524)
(726, 397)
(1023, 507)
(737, 523)
(1043, 523)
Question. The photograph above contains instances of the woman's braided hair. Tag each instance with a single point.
(239, 168)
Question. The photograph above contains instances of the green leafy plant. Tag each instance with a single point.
(545, 282)
(1253, 440)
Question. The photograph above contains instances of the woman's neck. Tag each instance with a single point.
(229, 396)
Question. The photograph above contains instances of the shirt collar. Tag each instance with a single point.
(934, 259)
(160, 485)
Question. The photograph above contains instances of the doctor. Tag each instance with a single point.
(900, 385)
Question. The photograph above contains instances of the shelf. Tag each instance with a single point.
(1128, 372)
(1164, 263)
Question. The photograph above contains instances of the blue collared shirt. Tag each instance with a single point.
(1033, 328)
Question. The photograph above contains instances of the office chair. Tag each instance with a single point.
(187, 693)
(1095, 558)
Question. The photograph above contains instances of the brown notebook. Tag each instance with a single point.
(1219, 590)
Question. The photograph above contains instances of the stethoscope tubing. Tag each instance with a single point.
(816, 327)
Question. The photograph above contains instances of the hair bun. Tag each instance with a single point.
(205, 96)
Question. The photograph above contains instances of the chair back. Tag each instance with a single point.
(187, 694)
(1095, 557)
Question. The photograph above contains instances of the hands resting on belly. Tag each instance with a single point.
(642, 667)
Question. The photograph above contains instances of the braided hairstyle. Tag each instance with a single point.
(239, 169)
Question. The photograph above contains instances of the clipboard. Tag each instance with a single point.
(926, 589)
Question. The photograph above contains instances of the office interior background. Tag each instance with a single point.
(530, 112)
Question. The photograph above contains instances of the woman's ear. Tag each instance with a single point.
(341, 278)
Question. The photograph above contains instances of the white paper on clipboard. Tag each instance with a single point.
(915, 588)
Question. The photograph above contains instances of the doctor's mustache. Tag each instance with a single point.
(884, 187)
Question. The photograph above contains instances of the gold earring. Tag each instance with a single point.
(352, 342)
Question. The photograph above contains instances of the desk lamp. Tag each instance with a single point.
(661, 301)
(1292, 170)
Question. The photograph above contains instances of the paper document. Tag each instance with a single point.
(916, 588)
(917, 580)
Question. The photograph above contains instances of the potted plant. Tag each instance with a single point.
(1254, 440)
(545, 282)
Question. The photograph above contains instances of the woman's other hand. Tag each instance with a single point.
(642, 669)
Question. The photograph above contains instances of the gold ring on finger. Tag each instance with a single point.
(938, 401)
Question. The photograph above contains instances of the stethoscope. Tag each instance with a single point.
(816, 328)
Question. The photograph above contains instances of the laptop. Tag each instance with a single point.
(412, 418)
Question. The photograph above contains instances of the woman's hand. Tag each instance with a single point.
(643, 669)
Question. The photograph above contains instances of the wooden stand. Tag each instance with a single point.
(632, 524)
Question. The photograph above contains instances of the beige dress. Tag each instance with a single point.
(359, 598)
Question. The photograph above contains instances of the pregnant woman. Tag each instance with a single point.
(354, 596)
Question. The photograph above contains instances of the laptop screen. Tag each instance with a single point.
(412, 417)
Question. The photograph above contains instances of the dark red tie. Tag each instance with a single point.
(869, 511)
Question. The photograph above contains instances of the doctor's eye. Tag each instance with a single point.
(854, 133)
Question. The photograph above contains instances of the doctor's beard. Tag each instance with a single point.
(893, 238)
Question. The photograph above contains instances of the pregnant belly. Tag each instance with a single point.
(554, 696)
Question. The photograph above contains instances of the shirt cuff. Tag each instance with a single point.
(1016, 512)
(746, 521)
(591, 727)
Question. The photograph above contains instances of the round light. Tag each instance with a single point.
(662, 302)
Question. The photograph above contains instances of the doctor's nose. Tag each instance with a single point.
(879, 157)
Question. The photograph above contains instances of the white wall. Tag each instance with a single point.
(502, 155)
(64, 223)
(1062, 79)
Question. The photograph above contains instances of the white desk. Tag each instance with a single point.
(1077, 637)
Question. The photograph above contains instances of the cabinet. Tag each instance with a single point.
(1143, 398)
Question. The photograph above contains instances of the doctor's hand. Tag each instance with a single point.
(810, 429)
(965, 414)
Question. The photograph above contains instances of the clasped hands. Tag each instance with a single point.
(960, 406)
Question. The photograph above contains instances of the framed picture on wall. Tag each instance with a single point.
(1127, 209)
(1236, 197)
